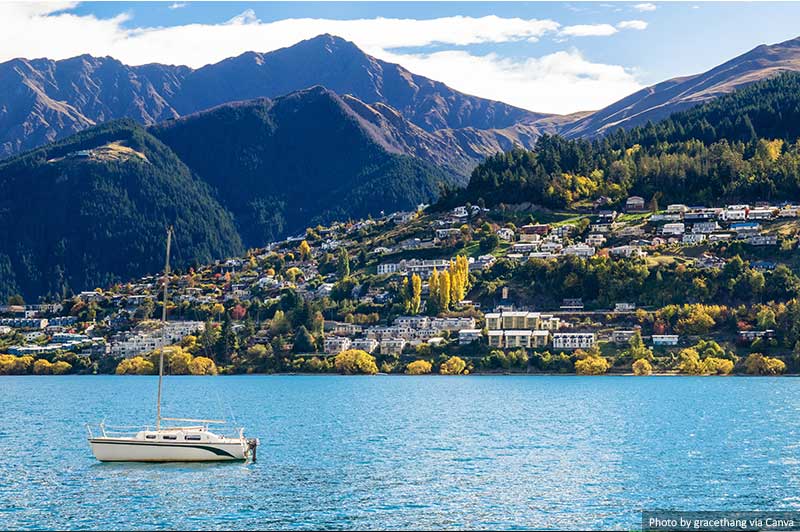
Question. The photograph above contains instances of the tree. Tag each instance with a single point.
(690, 362)
(355, 361)
(227, 343)
(453, 366)
(303, 341)
(419, 367)
(61, 367)
(717, 366)
(637, 350)
(433, 292)
(135, 366)
(416, 293)
(642, 367)
(758, 364)
(444, 291)
(343, 264)
(592, 365)
(202, 366)
(42, 367)
(304, 249)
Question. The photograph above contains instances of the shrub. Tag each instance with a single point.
(202, 366)
(135, 366)
(592, 365)
(642, 367)
(758, 364)
(419, 367)
(453, 366)
(42, 367)
(355, 361)
(717, 366)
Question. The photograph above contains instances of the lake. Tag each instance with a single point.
(406, 452)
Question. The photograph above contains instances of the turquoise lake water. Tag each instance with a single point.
(407, 452)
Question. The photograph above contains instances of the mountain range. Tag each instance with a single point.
(254, 148)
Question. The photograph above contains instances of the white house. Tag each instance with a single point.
(665, 339)
(673, 229)
(571, 341)
(387, 268)
(336, 344)
(578, 250)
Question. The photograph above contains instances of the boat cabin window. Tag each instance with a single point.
(192, 437)
(169, 437)
(150, 436)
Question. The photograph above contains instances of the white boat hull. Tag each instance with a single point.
(134, 450)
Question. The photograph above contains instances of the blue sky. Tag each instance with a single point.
(546, 56)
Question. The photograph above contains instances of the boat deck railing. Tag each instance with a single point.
(123, 431)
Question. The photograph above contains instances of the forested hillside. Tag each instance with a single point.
(282, 165)
(740, 147)
(93, 210)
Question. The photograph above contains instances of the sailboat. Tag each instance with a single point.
(178, 440)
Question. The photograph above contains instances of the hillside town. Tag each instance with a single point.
(431, 285)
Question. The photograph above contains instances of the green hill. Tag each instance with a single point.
(739, 147)
(92, 210)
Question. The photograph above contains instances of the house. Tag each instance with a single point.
(572, 304)
(734, 213)
(624, 307)
(522, 247)
(665, 339)
(579, 250)
(392, 346)
(551, 247)
(622, 336)
(573, 340)
(763, 265)
(666, 217)
(763, 240)
(444, 234)
(505, 233)
(496, 339)
(387, 268)
(467, 336)
(705, 227)
(517, 338)
(720, 237)
(536, 229)
(749, 336)
(673, 229)
(709, 261)
(762, 213)
(677, 208)
(365, 344)
(595, 239)
(606, 217)
(336, 344)
(634, 204)
(693, 238)
(540, 338)
(743, 229)
(627, 251)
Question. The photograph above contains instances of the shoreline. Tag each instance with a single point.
(476, 374)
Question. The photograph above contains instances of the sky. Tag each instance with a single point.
(556, 57)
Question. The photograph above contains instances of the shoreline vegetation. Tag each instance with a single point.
(706, 358)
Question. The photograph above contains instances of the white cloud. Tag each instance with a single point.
(647, 6)
(560, 82)
(632, 25)
(589, 30)
(177, 5)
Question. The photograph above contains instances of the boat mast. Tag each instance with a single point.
(163, 329)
